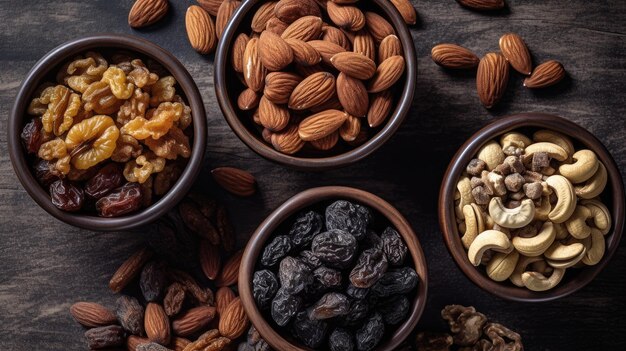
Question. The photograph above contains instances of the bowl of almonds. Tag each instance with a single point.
(107, 132)
(315, 85)
(532, 207)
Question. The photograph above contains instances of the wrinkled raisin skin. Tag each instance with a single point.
(370, 333)
(396, 282)
(278, 248)
(306, 226)
(66, 196)
(371, 265)
(32, 136)
(349, 217)
(294, 275)
(330, 305)
(107, 179)
(265, 286)
(152, 281)
(340, 340)
(310, 332)
(284, 307)
(130, 314)
(121, 201)
(335, 247)
(394, 310)
(394, 247)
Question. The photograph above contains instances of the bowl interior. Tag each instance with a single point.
(612, 197)
(317, 199)
(45, 71)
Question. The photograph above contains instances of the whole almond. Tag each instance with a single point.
(146, 12)
(223, 297)
(290, 10)
(210, 260)
(545, 75)
(352, 95)
(239, 47)
(280, 85)
(287, 140)
(326, 143)
(91, 314)
(321, 124)
(253, 70)
(276, 26)
(211, 6)
(390, 46)
(133, 341)
(275, 53)
(363, 43)
(230, 271)
(350, 129)
(378, 26)
(248, 100)
(454, 56)
(305, 28)
(354, 64)
(224, 13)
(129, 269)
(234, 180)
(380, 106)
(345, 16)
(303, 53)
(262, 15)
(234, 321)
(335, 35)
(200, 30)
(313, 90)
(326, 49)
(387, 74)
(157, 324)
(273, 116)
(482, 5)
(515, 51)
(193, 320)
(407, 11)
(491, 78)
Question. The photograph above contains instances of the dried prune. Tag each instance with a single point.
(66, 196)
(130, 314)
(45, 173)
(330, 305)
(32, 137)
(294, 275)
(327, 277)
(107, 179)
(174, 298)
(197, 222)
(284, 307)
(396, 282)
(278, 248)
(335, 247)
(348, 217)
(356, 313)
(394, 310)
(265, 286)
(306, 226)
(393, 246)
(340, 340)
(152, 281)
(357, 293)
(105, 337)
(310, 332)
(371, 265)
(370, 333)
(311, 259)
(120, 201)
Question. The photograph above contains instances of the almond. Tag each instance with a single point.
(276, 26)
(313, 90)
(326, 143)
(303, 53)
(390, 46)
(545, 75)
(247, 100)
(129, 269)
(200, 30)
(332, 104)
(354, 64)
(491, 78)
(146, 12)
(380, 106)
(193, 320)
(335, 35)
(223, 297)
(326, 49)
(91, 314)
(387, 74)
(234, 180)
(239, 47)
(482, 5)
(454, 56)
(287, 140)
(156, 324)
(275, 53)
(280, 85)
(515, 51)
(253, 70)
(321, 124)
(407, 11)
(346, 17)
(224, 13)
(210, 260)
(363, 43)
(133, 341)
(267, 135)
(230, 271)
(289, 11)
(234, 321)
(210, 6)
(179, 344)
(273, 116)
(262, 15)
(378, 27)
(350, 129)
(352, 95)
(305, 29)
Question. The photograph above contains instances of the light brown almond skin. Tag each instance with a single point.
(350, 129)
(545, 75)
(275, 25)
(354, 64)
(253, 70)
(378, 26)
(345, 16)
(491, 78)
(407, 11)
(287, 140)
(234, 321)
(482, 5)
(280, 85)
(224, 13)
(262, 15)
(305, 28)
(335, 35)
(275, 53)
(230, 271)
(290, 10)
(326, 143)
(352, 94)
(211, 6)
(389, 46)
(515, 51)
(193, 320)
(200, 30)
(210, 260)
(248, 100)
(364, 43)
(239, 47)
(303, 53)
(312, 91)
(91, 314)
(223, 297)
(273, 116)
(129, 269)
(234, 180)
(146, 12)
(157, 324)
(454, 56)
(387, 74)
(332, 104)
(379, 109)
(321, 124)
(326, 49)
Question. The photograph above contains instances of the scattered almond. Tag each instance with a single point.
(146, 12)
(234, 180)
(482, 5)
(211, 6)
(407, 11)
(230, 271)
(515, 51)
(193, 320)
(133, 341)
(210, 260)
(129, 269)
(157, 324)
(545, 75)
(200, 30)
(223, 297)
(454, 56)
(234, 321)
(321, 124)
(492, 78)
(91, 314)
(345, 16)
(224, 13)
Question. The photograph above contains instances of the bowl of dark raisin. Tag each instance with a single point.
(107, 132)
(334, 268)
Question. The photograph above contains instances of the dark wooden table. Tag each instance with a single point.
(46, 265)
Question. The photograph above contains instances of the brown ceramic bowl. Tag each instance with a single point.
(228, 87)
(613, 197)
(311, 198)
(46, 68)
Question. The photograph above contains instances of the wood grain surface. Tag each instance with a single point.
(46, 265)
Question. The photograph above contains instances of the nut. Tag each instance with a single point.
(146, 12)
(577, 224)
(594, 186)
(234, 321)
(491, 153)
(454, 56)
(501, 265)
(492, 78)
(566, 198)
(536, 281)
(545, 75)
(538, 244)
(584, 167)
(488, 240)
(515, 51)
(511, 218)
(600, 214)
(595, 253)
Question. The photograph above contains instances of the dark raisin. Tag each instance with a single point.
(370, 266)
(105, 337)
(121, 201)
(151, 346)
(197, 222)
(172, 241)
(306, 226)
(340, 340)
(311, 259)
(356, 293)
(32, 136)
(152, 281)
(278, 248)
(284, 307)
(327, 277)
(393, 246)
(265, 286)
(335, 247)
(371, 240)
(225, 229)
(370, 333)
(66, 196)
(107, 179)
(394, 310)
(357, 312)
(349, 217)
(310, 332)
(45, 173)
(396, 282)
(130, 314)
(294, 275)
(330, 305)
(174, 298)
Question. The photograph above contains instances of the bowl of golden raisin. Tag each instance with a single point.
(107, 132)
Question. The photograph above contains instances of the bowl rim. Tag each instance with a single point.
(255, 143)
(467, 151)
(64, 52)
(303, 200)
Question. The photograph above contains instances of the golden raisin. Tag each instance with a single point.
(141, 168)
(116, 78)
(127, 148)
(135, 107)
(63, 105)
(159, 123)
(173, 144)
(163, 91)
(92, 141)
(99, 98)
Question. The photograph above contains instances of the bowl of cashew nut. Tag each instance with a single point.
(532, 207)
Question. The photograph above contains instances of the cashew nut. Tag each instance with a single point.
(563, 252)
(471, 226)
(594, 185)
(522, 263)
(566, 198)
(542, 267)
(585, 165)
(541, 212)
(536, 281)
(502, 265)
(537, 244)
(488, 240)
(577, 224)
(600, 214)
(491, 154)
(465, 191)
(596, 252)
(511, 217)
(514, 139)
(480, 217)
(561, 231)
(567, 263)
(553, 150)
(557, 138)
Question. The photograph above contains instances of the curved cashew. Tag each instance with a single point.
(542, 267)
(600, 214)
(577, 224)
(465, 192)
(553, 150)
(492, 154)
(542, 212)
(471, 226)
(585, 165)
(566, 198)
(561, 231)
(596, 252)
(522, 263)
(489, 223)
(536, 281)
(537, 244)
(594, 185)
(488, 240)
(480, 217)
(502, 265)
(557, 138)
(563, 252)
(568, 263)
(514, 139)
(511, 217)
